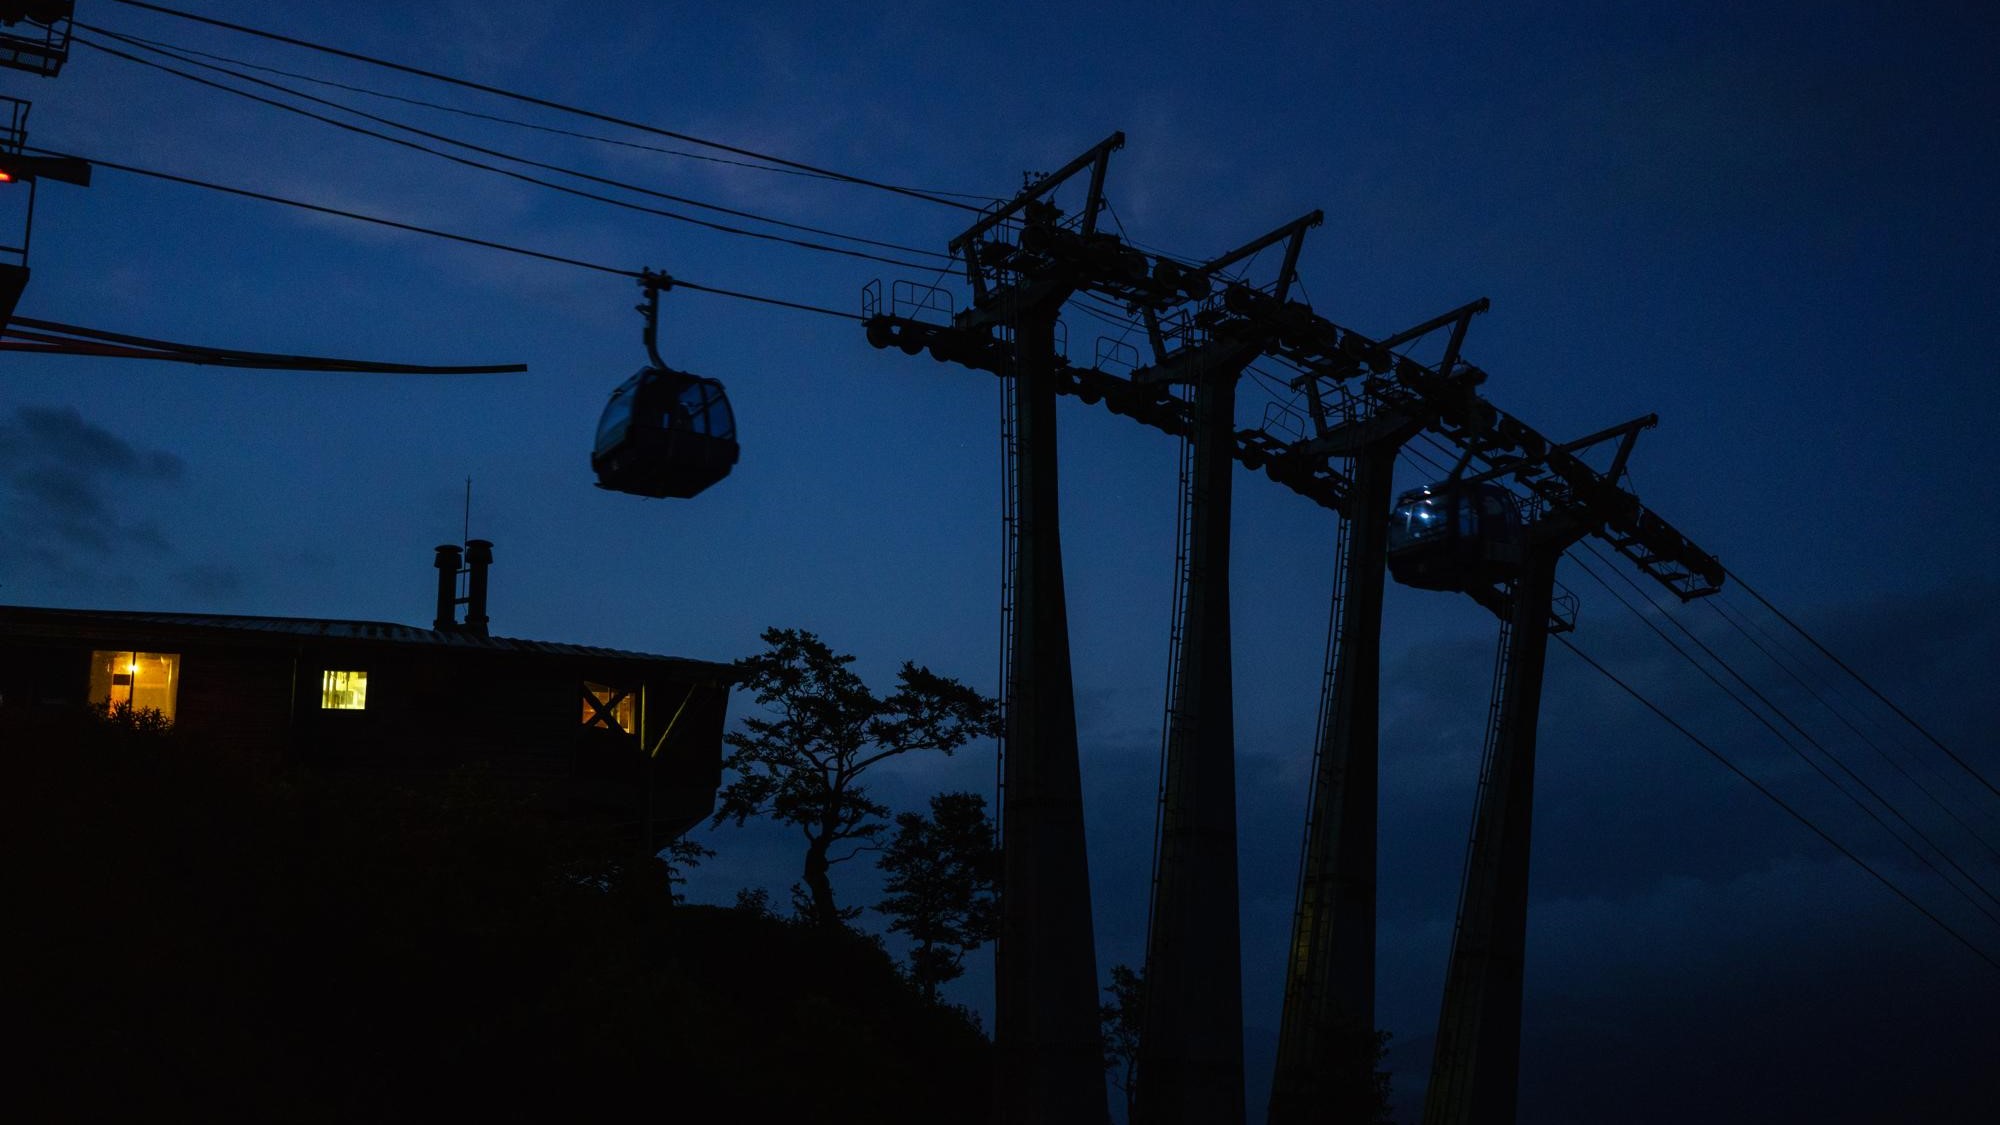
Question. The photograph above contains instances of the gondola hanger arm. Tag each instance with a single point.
(654, 284)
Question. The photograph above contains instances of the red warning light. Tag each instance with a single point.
(6, 177)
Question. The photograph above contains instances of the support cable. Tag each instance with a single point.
(1842, 665)
(524, 177)
(1233, 273)
(357, 216)
(174, 54)
(1496, 700)
(1827, 704)
(165, 47)
(1789, 721)
(1125, 327)
(1128, 240)
(1010, 551)
(55, 338)
(1328, 702)
(1795, 814)
(1801, 755)
(1429, 464)
(1110, 315)
(542, 102)
(1177, 619)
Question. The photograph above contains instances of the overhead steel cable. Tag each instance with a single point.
(1411, 451)
(1233, 274)
(70, 340)
(1432, 441)
(1716, 604)
(469, 240)
(1842, 665)
(1109, 314)
(1800, 754)
(521, 176)
(498, 119)
(1096, 309)
(544, 103)
(469, 146)
(1789, 721)
(55, 338)
(1795, 814)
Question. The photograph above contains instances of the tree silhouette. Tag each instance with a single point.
(677, 859)
(942, 869)
(1120, 1018)
(803, 764)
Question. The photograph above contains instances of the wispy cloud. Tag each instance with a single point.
(76, 498)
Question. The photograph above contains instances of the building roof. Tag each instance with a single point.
(24, 620)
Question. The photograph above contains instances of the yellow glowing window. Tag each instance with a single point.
(143, 681)
(343, 691)
(608, 708)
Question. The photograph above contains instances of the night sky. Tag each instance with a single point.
(1776, 229)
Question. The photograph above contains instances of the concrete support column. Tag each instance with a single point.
(1326, 1037)
(1475, 1068)
(1191, 1040)
(1049, 1057)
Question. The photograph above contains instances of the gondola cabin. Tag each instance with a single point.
(1455, 537)
(664, 433)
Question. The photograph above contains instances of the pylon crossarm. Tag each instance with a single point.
(1292, 234)
(1095, 158)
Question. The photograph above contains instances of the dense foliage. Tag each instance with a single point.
(802, 762)
(943, 870)
(1120, 1016)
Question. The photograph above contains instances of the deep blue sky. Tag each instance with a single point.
(1775, 228)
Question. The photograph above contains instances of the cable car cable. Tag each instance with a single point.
(163, 46)
(55, 338)
(1156, 252)
(679, 283)
(542, 102)
(1433, 441)
(1795, 814)
(1113, 317)
(1793, 747)
(450, 140)
(1716, 604)
(1414, 454)
(1843, 666)
(1775, 709)
(1789, 721)
(522, 176)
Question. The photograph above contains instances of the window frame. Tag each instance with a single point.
(110, 659)
(327, 689)
(607, 707)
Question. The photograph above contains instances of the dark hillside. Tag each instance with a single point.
(195, 932)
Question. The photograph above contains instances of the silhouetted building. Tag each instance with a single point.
(598, 732)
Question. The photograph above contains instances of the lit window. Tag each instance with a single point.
(144, 681)
(607, 708)
(343, 691)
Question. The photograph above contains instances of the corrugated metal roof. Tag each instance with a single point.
(318, 629)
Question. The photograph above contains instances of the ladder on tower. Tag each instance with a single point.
(1183, 533)
(1326, 705)
(1459, 1042)
(1010, 536)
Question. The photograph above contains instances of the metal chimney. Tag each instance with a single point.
(447, 588)
(478, 556)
